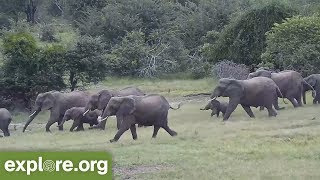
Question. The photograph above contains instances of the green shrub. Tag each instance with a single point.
(295, 44)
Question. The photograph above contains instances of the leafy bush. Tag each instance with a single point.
(85, 62)
(27, 69)
(48, 33)
(243, 40)
(229, 69)
(295, 44)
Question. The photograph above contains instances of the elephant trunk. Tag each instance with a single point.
(304, 96)
(62, 122)
(31, 117)
(104, 119)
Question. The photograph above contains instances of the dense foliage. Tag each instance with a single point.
(295, 44)
(65, 44)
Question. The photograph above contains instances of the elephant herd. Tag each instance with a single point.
(132, 106)
(262, 88)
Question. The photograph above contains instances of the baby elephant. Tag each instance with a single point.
(5, 120)
(216, 107)
(76, 113)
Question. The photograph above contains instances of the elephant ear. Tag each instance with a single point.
(127, 107)
(234, 89)
(104, 98)
(215, 103)
(48, 101)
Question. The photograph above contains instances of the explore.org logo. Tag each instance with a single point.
(56, 164)
(29, 166)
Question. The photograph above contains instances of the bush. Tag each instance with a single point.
(243, 40)
(86, 62)
(48, 34)
(295, 44)
(29, 70)
(229, 69)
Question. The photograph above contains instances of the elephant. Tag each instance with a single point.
(314, 81)
(5, 120)
(58, 103)
(289, 82)
(258, 91)
(76, 113)
(216, 107)
(149, 110)
(101, 99)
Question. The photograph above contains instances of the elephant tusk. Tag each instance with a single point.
(86, 112)
(104, 118)
(213, 99)
(33, 113)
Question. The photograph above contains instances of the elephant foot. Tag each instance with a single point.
(174, 133)
(280, 108)
(113, 140)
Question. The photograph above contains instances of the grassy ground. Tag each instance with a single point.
(285, 147)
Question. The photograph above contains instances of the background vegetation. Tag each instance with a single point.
(67, 44)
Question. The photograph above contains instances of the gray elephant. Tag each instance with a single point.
(101, 99)
(259, 91)
(58, 103)
(5, 120)
(314, 81)
(76, 114)
(289, 82)
(216, 107)
(150, 110)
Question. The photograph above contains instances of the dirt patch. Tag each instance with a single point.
(130, 172)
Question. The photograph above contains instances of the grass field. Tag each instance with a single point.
(285, 147)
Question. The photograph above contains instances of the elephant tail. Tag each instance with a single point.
(305, 83)
(279, 93)
(179, 105)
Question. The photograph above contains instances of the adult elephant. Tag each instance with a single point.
(150, 110)
(5, 120)
(289, 82)
(58, 103)
(314, 81)
(258, 91)
(101, 99)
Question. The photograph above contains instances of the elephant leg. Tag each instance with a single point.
(155, 131)
(298, 98)
(271, 111)
(74, 125)
(233, 103)
(134, 132)
(59, 121)
(212, 114)
(276, 104)
(248, 110)
(170, 131)
(6, 132)
(80, 127)
(293, 102)
(119, 122)
(261, 108)
(48, 125)
(119, 134)
(218, 113)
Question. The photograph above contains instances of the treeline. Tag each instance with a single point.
(58, 44)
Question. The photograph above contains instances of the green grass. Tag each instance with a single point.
(285, 147)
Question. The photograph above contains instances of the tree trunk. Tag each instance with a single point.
(73, 81)
(31, 11)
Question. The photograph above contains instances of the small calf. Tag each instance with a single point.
(216, 107)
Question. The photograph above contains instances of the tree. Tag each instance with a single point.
(86, 61)
(295, 44)
(243, 40)
(29, 70)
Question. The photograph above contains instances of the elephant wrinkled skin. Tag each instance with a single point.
(76, 114)
(259, 91)
(289, 82)
(314, 81)
(100, 100)
(216, 107)
(5, 120)
(58, 103)
(150, 110)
